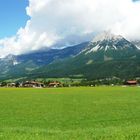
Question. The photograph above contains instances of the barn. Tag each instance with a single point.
(132, 83)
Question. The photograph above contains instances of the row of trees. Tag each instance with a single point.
(84, 82)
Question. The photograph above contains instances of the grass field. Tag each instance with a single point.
(101, 113)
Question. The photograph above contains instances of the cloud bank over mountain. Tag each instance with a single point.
(66, 22)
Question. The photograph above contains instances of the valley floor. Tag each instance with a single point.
(98, 113)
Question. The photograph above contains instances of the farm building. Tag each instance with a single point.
(54, 84)
(132, 82)
(32, 84)
(11, 85)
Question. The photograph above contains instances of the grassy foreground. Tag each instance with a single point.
(101, 113)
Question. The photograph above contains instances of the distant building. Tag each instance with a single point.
(55, 84)
(11, 84)
(131, 83)
(32, 84)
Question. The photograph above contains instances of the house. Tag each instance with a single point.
(11, 85)
(55, 84)
(32, 84)
(131, 83)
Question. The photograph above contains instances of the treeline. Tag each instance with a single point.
(106, 81)
(71, 83)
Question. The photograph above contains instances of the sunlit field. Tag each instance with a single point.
(100, 113)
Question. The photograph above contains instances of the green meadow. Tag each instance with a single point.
(98, 113)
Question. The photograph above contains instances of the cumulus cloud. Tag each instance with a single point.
(67, 22)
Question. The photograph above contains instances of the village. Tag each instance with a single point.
(56, 84)
(31, 84)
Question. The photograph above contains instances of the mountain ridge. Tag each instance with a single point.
(85, 59)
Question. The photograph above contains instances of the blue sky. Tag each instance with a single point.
(12, 16)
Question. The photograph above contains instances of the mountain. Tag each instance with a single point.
(13, 66)
(47, 56)
(107, 41)
(106, 56)
(107, 46)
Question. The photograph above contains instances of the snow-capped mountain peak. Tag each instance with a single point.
(106, 35)
(137, 43)
(108, 41)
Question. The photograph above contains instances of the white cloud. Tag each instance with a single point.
(53, 21)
